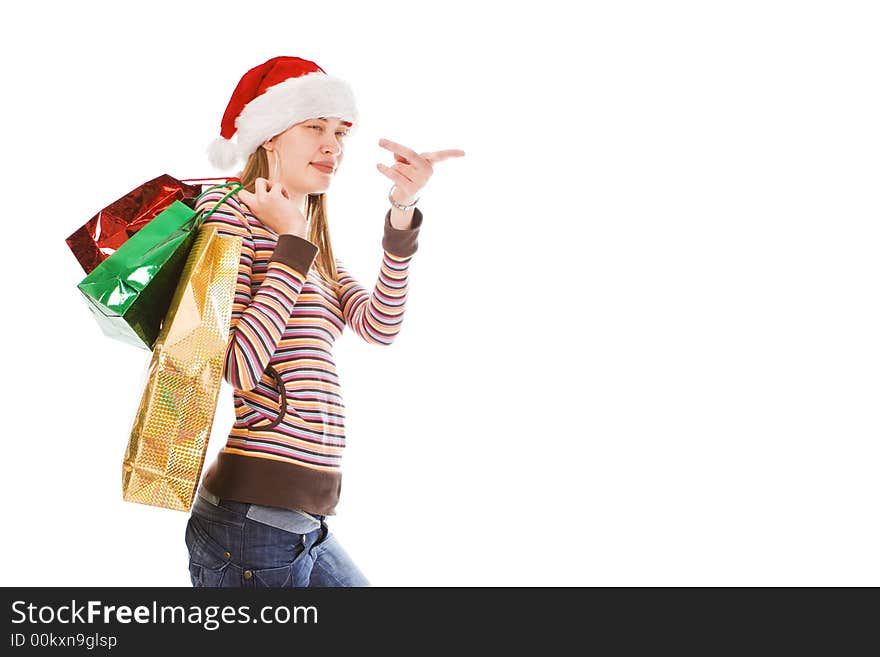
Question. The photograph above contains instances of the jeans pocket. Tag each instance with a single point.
(202, 577)
(209, 562)
(277, 558)
(272, 578)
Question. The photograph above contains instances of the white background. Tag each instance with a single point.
(641, 343)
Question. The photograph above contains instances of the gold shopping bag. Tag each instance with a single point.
(166, 450)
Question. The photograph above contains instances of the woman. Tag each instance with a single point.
(259, 518)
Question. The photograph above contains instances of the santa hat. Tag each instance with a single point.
(272, 97)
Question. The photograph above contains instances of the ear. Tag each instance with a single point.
(268, 144)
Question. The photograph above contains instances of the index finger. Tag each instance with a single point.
(400, 149)
(439, 156)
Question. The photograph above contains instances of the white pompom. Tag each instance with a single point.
(222, 153)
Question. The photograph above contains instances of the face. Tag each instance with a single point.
(294, 153)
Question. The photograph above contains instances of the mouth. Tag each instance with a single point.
(322, 168)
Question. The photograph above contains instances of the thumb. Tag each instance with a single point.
(279, 190)
(250, 201)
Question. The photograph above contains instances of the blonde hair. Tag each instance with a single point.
(257, 166)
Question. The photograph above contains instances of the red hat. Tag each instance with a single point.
(272, 97)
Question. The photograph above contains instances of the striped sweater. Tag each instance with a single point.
(286, 445)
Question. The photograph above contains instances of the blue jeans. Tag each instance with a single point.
(229, 548)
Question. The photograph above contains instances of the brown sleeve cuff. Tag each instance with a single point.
(402, 243)
(295, 252)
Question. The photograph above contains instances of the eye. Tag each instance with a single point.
(344, 133)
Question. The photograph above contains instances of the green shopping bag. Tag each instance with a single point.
(129, 293)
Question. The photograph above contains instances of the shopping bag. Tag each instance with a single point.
(166, 450)
(105, 232)
(129, 293)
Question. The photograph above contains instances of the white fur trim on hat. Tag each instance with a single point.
(292, 101)
(222, 153)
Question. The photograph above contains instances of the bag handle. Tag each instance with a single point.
(282, 403)
(236, 186)
(225, 178)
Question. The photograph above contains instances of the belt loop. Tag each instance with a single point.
(208, 496)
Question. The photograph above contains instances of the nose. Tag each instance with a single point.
(332, 146)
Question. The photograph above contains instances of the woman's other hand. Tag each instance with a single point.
(273, 207)
(411, 171)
